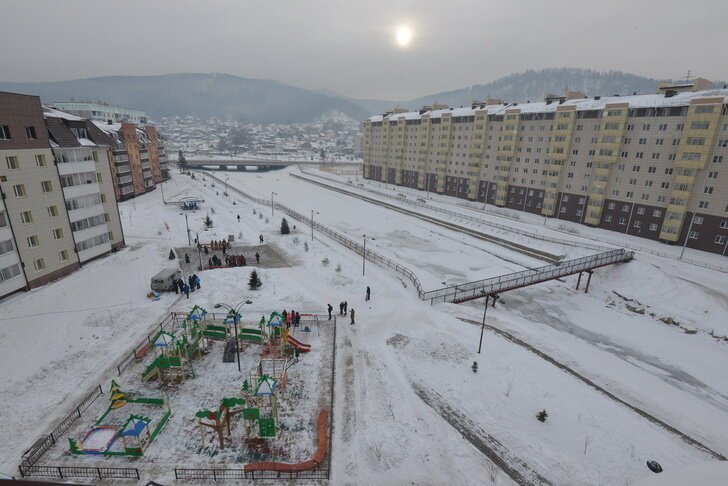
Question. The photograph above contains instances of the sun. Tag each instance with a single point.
(404, 36)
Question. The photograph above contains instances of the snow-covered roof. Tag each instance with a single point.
(53, 113)
(581, 104)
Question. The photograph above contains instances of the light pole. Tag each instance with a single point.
(189, 243)
(312, 213)
(364, 255)
(272, 213)
(482, 327)
(235, 314)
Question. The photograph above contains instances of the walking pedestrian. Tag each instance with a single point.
(186, 290)
(346, 306)
(261, 238)
(176, 289)
(369, 292)
(341, 308)
(197, 281)
(238, 218)
(297, 320)
(330, 309)
(257, 257)
(289, 320)
(191, 283)
(352, 315)
(285, 316)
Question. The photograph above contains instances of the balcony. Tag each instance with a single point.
(90, 253)
(123, 169)
(66, 168)
(81, 190)
(147, 174)
(79, 214)
(120, 148)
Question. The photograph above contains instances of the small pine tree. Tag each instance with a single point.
(181, 159)
(541, 416)
(172, 255)
(208, 221)
(254, 283)
(284, 227)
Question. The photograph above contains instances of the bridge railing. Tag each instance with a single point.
(523, 278)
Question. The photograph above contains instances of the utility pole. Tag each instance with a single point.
(364, 255)
(482, 327)
(189, 243)
(312, 213)
(272, 212)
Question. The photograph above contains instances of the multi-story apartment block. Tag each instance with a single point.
(647, 165)
(58, 208)
(102, 112)
(137, 158)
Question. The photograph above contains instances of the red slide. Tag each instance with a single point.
(304, 348)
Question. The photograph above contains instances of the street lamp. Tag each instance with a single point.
(235, 314)
(272, 213)
(312, 213)
(364, 255)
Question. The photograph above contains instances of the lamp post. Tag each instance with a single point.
(364, 255)
(482, 327)
(234, 312)
(189, 243)
(272, 213)
(312, 213)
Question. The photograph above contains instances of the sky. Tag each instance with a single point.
(350, 47)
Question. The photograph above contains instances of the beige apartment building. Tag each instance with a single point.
(58, 207)
(647, 165)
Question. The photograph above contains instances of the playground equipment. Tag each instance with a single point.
(134, 429)
(261, 395)
(219, 419)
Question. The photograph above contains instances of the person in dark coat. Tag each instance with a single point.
(285, 316)
(191, 283)
(369, 292)
(330, 308)
(351, 312)
(346, 306)
(176, 289)
(297, 320)
(186, 290)
(261, 238)
(238, 218)
(341, 308)
(257, 257)
(180, 283)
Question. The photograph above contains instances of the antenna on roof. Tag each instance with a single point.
(687, 78)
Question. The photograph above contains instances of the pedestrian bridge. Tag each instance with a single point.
(221, 163)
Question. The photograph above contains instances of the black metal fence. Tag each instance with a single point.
(63, 472)
(223, 474)
(136, 353)
(27, 466)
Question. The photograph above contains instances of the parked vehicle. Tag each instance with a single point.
(165, 280)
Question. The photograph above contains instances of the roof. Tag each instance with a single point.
(655, 100)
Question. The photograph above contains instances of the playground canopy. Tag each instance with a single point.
(164, 339)
(266, 386)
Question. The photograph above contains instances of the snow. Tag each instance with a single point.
(408, 408)
(98, 439)
(53, 113)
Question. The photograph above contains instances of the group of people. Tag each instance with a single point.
(292, 318)
(192, 284)
(343, 306)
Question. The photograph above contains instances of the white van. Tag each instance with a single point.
(165, 280)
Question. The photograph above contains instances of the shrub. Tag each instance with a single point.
(284, 227)
(254, 283)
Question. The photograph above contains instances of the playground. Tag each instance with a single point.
(181, 401)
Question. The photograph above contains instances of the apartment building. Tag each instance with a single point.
(102, 112)
(137, 157)
(647, 165)
(51, 194)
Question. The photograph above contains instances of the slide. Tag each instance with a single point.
(304, 348)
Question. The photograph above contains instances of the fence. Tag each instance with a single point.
(474, 219)
(223, 474)
(138, 351)
(344, 240)
(63, 472)
(47, 441)
(494, 285)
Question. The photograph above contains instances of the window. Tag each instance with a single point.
(653, 227)
(39, 264)
(40, 160)
(694, 235)
(625, 208)
(30, 133)
(58, 233)
(47, 186)
(637, 224)
(703, 204)
(6, 246)
(26, 217)
(99, 179)
(610, 205)
(9, 272)
(724, 224)
(717, 159)
(640, 210)
(696, 141)
(33, 241)
(707, 190)
(4, 132)
(720, 239)
(651, 170)
(608, 218)
(19, 190)
(63, 255)
(704, 109)
(712, 175)
(12, 162)
(3, 219)
(622, 221)
(699, 125)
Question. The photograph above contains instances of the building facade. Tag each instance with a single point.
(102, 112)
(137, 156)
(647, 165)
(52, 195)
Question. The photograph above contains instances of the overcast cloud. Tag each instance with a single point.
(348, 46)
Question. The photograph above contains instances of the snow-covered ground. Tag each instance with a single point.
(408, 407)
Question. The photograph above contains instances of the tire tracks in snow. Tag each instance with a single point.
(514, 467)
(686, 438)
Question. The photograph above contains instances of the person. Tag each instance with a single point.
(296, 353)
(180, 283)
(330, 309)
(369, 292)
(285, 316)
(206, 250)
(224, 249)
(238, 218)
(176, 289)
(289, 319)
(346, 306)
(297, 320)
(352, 315)
(261, 238)
(186, 289)
(191, 283)
(197, 281)
(257, 257)
(341, 308)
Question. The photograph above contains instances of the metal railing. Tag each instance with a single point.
(494, 285)
(228, 474)
(63, 472)
(171, 318)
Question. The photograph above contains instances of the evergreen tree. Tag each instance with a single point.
(284, 227)
(254, 283)
(208, 221)
(322, 155)
(181, 159)
(172, 255)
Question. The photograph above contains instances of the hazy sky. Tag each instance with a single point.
(348, 46)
